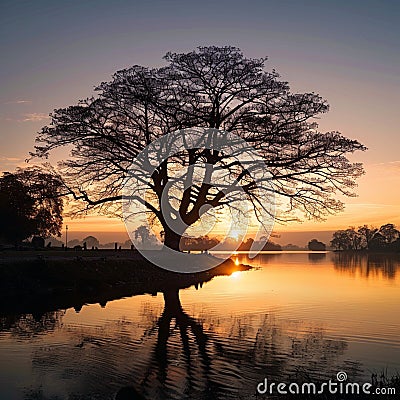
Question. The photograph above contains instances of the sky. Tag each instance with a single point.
(54, 53)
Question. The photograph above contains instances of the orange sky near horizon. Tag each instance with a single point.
(372, 206)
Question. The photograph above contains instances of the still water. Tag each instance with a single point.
(294, 315)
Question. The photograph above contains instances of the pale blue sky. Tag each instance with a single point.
(54, 53)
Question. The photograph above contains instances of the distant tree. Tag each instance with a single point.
(30, 204)
(315, 245)
(378, 242)
(212, 87)
(269, 246)
(383, 239)
(347, 239)
(143, 233)
(91, 241)
(73, 243)
(198, 243)
(110, 245)
(340, 240)
(54, 242)
(355, 238)
(291, 247)
(246, 246)
(367, 234)
(389, 233)
(128, 243)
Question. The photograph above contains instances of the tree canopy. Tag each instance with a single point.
(386, 238)
(211, 87)
(91, 241)
(30, 204)
(316, 245)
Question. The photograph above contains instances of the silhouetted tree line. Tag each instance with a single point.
(89, 242)
(385, 238)
(269, 246)
(201, 243)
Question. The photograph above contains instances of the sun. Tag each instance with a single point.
(236, 274)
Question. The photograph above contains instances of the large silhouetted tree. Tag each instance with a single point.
(214, 87)
(30, 204)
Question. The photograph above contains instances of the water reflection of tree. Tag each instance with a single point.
(367, 265)
(316, 258)
(178, 356)
(195, 361)
(167, 353)
(31, 325)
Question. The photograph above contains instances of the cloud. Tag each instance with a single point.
(18, 102)
(390, 165)
(10, 163)
(369, 205)
(35, 117)
(13, 159)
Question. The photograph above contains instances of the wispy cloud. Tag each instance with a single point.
(388, 165)
(10, 163)
(12, 159)
(18, 102)
(368, 205)
(35, 117)
(26, 117)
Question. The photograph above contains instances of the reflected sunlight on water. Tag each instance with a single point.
(293, 314)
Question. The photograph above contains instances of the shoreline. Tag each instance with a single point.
(39, 283)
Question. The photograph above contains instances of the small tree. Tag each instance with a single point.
(30, 204)
(144, 234)
(91, 241)
(315, 245)
(389, 232)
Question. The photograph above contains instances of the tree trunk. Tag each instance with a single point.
(172, 301)
(172, 239)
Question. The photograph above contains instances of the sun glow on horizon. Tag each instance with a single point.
(236, 274)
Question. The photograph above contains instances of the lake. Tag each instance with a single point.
(294, 316)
